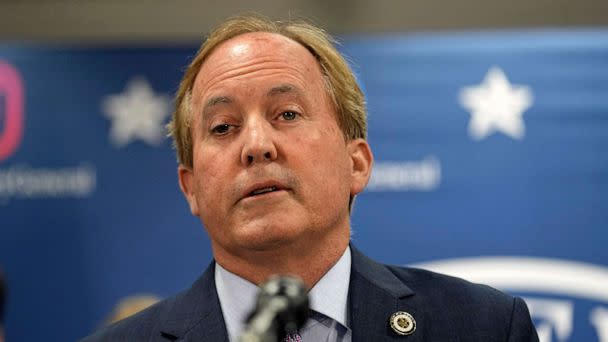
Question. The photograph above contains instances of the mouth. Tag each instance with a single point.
(263, 189)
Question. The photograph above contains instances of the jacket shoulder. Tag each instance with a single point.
(460, 304)
(142, 326)
(440, 287)
(190, 312)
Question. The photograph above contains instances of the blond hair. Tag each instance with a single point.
(341, 84)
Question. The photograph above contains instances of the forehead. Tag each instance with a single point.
(255, 43)
(260, 55)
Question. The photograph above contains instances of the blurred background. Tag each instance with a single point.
(488, 121)
(157, 21)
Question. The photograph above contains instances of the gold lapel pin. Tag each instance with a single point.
(402, 323)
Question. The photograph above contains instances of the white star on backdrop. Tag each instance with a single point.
(137, 113)
(496, 105)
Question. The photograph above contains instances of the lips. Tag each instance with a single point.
(263, 191)
(262, 188)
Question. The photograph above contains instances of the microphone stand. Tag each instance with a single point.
(282, 306)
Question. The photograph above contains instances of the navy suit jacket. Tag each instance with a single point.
(444, 308)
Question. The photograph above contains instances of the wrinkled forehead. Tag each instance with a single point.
(251, 51)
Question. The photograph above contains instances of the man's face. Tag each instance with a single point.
(270, 163)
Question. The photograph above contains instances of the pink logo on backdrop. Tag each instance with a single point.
(11, 89)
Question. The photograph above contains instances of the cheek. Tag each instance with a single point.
(324, 157)
(210, 178)
(331, 151)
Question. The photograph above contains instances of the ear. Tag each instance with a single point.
(185, 176)
(362, 160)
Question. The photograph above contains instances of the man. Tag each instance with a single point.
(270, 130)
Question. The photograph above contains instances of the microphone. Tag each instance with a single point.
(282, 306)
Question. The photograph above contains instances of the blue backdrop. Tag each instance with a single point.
(491, 163)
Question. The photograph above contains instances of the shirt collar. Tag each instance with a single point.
(329, 296)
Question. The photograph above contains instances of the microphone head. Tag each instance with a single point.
(294, 292)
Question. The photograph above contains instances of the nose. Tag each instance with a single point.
(259, 145)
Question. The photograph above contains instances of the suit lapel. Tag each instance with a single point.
(196, 315)
(375, 294)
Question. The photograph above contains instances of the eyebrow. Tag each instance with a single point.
(284, 89)
(278, 90)
(214, 101)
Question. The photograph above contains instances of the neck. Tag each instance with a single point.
(307, 260)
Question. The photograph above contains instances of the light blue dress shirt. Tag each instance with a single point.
(328, 298)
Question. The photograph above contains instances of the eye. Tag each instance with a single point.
(289, 115)
(221, 129)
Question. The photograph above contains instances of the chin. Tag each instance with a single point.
(266, 237)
